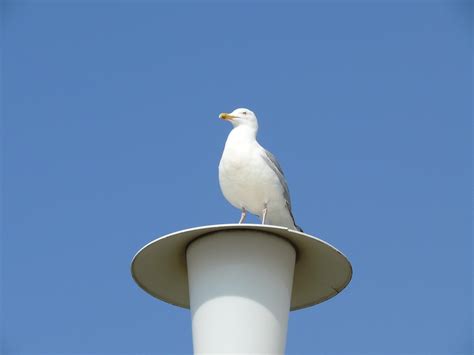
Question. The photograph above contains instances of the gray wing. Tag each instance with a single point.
(272, 162)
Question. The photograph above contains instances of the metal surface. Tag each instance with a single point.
(321, 271)
(240, 284)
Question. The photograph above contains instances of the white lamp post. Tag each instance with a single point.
(240, 281)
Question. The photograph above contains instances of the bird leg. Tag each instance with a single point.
(264, 215)
(242, 217)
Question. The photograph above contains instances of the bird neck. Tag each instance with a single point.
(245, 132)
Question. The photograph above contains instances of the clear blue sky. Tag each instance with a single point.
(111, 138)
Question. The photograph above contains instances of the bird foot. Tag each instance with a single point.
(243, 215)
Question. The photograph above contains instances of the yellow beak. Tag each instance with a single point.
(226, 116)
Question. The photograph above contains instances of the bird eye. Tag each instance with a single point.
(245, 112)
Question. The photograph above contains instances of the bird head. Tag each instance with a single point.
(241, 117)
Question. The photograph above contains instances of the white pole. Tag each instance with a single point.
(240, 284)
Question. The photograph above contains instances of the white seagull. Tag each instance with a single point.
(250, 177)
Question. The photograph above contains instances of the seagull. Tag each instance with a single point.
(250, 177)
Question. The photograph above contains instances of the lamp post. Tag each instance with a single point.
(240, 281)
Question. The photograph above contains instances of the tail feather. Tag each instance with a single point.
(293, 218)
(281, 217)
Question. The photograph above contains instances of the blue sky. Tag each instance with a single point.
(111, 138)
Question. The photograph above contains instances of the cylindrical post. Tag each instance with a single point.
(240, 284)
